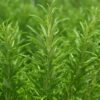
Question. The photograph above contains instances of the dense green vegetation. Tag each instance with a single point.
(49, 50)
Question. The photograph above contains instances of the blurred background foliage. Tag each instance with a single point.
(21, 9)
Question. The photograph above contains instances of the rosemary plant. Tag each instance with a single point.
(10, 61)
(47, 64)
(52, 52)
